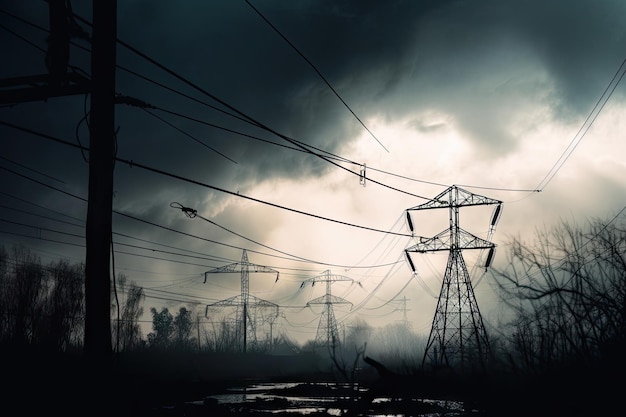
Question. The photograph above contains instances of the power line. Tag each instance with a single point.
(549, 176)
(230, 107)
(188, 135)
(302, 146)
(132, 163)
(316, 70)
(584, 128)
(154, 224)
(329, 156)
(192, 213)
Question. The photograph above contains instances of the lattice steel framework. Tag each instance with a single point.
(327, 331)
(457, 338)
(246, 323)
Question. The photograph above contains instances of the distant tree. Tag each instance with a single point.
(359, 334)
(24, 296)
(224, 336)
(127, 331)
(4, 294)
(3, 262)
(63, 306)
(346, 356)
(162, 326)
(182, 331)
(309, 346)
(40, 305)
(398, 347)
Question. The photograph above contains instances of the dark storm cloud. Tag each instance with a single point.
(484, 65)
(477, 74)
(487, 63)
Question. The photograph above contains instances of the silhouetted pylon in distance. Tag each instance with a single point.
(246, 324)
(327, 332)
(457, 338)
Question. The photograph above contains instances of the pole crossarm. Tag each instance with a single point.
(38, 88)
(445, 241)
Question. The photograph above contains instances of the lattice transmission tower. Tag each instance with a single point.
(405, 320)
(245, 326)
(327, 331)
(457, 337)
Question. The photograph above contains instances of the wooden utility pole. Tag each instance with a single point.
(101, 160)
(59, 82)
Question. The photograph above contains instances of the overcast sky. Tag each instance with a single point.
(269, 111)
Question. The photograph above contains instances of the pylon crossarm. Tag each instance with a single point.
(443, 241)
(258, 302)
(469, 241)
(462, 198)
(242, 267)
(238, 267)
(433, 244)
(261, 268)
(326, 276)
(328, 299)
(232, 301)
(234, 267)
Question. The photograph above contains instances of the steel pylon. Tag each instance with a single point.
(327, 331)
(246, 323)
(457, 337)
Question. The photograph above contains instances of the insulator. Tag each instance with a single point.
(409, 221)
(496, 215)
(408, 258)
(492, 252)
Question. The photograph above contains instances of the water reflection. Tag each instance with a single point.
(323, 398)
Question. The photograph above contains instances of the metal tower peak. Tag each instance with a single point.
(457, 337)
(455, 196)
(327, 332)
(243, 301)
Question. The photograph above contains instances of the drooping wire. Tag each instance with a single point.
(316, 70)
(246, 119)
(230, 107)
(567, 152)
(304, 148)
(193, 213)
(189, 212)
(188, 135)
(132, 163)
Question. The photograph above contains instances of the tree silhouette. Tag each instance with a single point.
(568, 292)
(162, 326)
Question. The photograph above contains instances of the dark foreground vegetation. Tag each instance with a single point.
(152, 385)
(561, 351)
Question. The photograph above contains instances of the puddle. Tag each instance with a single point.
(299, 398)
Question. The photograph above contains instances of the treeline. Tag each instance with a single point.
(40, 306)
(566, 289)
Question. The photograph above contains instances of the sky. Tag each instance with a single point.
(263, 114)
